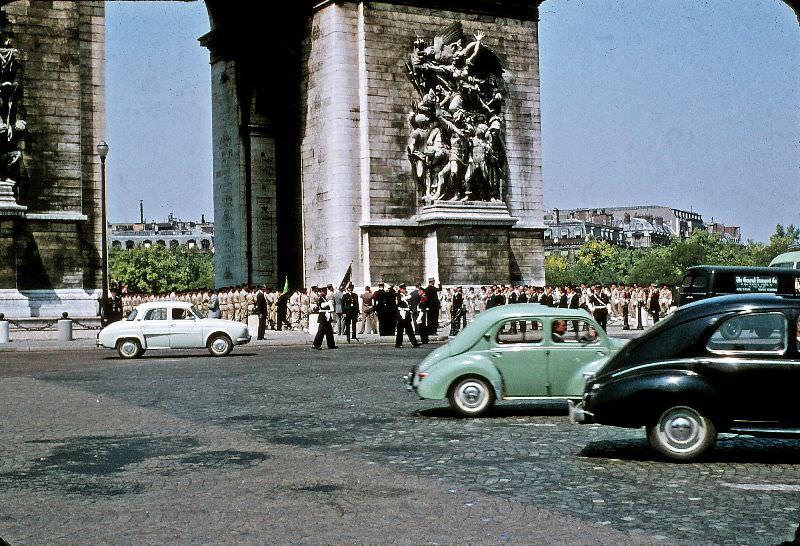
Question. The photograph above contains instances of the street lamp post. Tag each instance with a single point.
(102, 151)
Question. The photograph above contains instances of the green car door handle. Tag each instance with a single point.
(601, 353)
(498, 355)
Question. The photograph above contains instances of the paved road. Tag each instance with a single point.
(290, 445)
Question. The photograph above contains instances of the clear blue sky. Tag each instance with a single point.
(686, 103)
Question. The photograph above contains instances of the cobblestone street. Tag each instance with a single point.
(289, 445)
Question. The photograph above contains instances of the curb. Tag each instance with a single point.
(84, 344)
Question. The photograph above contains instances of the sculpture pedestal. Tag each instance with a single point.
(471, 213)
(8, 204)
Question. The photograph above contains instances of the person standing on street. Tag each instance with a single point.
(367, 312)
(654, 305)
(432, 313)
(403, 318)
(262, 309)
(457, 312)
(213, 306)
(324, 317)
(350, 311)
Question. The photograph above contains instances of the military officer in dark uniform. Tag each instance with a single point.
(262, 309)
(433, 306)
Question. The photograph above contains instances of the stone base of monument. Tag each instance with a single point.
(457, 243)
(49, 304)
(474, 213)
(8, 204)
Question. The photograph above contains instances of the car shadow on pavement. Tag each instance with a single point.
(735, 449)
(531, 409)
(156, 354)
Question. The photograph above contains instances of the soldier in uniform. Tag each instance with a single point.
(403, 319)
(324, 317)
(294, 310)
(272, 311)
(432, 314)
(223, 303)
(350, 312)
(262, 309)
(457, 312)
(367, 312)
(236, 300)
(305, 307)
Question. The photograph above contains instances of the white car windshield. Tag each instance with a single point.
(131, 315)
(197, 312)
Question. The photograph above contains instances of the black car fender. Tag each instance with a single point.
(638, 399)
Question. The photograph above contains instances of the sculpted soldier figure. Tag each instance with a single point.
(12, 128)
(459, 116)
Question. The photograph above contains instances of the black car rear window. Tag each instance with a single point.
(662, 341)
(695, 281)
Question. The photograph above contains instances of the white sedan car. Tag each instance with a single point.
(171, 325)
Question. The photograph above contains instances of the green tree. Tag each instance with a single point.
(557, 271)
(159, 269)
(781, 241)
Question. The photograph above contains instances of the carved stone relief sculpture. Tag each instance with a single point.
(457, 141)
(12, 127)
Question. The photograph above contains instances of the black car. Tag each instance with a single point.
(723, 364)
(707, 281)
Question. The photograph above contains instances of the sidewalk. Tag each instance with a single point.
(47, 340)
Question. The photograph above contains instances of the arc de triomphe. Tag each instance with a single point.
(402, 137)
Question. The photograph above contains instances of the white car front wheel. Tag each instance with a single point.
(219, 345)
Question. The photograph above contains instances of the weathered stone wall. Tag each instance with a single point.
(526, 256)
(395, 255)
(463, 250)
(57, 245)
(331, 146)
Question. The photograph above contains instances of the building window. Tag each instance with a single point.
(205, 244)
(116, 244)
(191, 243)
(174, 243)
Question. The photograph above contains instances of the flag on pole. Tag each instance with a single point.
(346, 279)
(286, 285)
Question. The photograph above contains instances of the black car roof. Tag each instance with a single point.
(736, 302)
(743, 270)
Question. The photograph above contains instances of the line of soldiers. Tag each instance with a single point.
(378, 311)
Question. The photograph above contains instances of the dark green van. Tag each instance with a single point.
(706, 281)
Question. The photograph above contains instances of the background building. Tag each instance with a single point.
(637, 227)
(173, 234)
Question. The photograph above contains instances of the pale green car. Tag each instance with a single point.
(514, 352)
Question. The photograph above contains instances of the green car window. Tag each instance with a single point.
(578, 331)
(520, 331)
